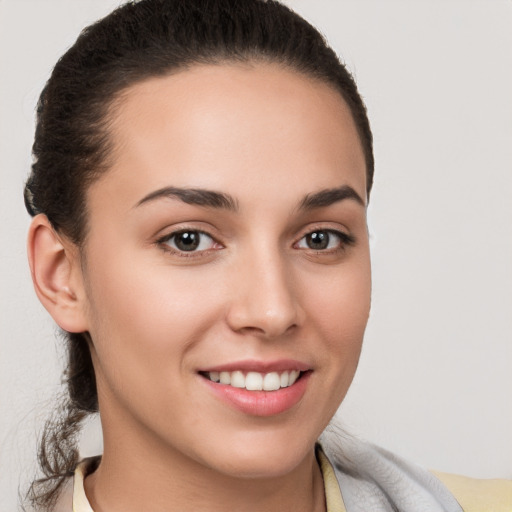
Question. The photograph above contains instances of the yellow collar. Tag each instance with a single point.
(80, 501)
(333, 498)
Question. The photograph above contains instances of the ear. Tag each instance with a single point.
(57, 276)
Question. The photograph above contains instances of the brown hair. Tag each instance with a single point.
(139, 40)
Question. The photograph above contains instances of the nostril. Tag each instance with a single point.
(264, 303)
(268, 332)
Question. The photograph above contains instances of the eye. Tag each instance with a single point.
(188, 241)
(324, 239)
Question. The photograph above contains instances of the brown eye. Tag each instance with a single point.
(318, 240)
(325, 239)
(189, 241)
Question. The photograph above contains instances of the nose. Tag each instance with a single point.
(264, 298)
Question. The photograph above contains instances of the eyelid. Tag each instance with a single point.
(346, 239)
(335, 228)
(162, 242)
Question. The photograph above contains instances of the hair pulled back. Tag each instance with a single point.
(139, 40)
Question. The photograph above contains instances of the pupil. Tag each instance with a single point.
(318, 240)
(187, 241)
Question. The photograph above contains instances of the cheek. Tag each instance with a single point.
(341, 314)
(343, 302)
(144, 315)
(146, 327)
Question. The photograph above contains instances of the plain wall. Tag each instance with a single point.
(435, 378)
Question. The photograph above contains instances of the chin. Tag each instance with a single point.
(262, 455)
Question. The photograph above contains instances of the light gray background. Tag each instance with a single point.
(435, 378)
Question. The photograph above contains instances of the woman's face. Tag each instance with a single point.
(227, 241)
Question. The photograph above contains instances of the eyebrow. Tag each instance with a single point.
(221, 200)
(196, 196)
(329, 196)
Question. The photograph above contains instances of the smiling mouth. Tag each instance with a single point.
(255, 381)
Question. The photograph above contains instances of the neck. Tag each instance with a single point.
(137, 470)
(133, 484)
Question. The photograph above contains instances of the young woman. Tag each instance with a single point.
(199, 190)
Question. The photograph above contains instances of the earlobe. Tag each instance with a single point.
(56, 275)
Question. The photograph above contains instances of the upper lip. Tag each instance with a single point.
(252, 365)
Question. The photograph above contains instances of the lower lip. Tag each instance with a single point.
(261, 403)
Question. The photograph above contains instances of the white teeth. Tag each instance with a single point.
(294, 375)
(255, 381)
(271, 381)
(238, 380)
(225, 377)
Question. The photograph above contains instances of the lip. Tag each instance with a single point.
(252, 365)
(259, 403)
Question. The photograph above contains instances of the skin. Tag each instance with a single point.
(268, 137)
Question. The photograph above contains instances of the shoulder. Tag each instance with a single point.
(476, 495)
(372, 478)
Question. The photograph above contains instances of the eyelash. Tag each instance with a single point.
(165, 240)
(345, 240)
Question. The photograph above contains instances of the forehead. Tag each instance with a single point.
(232, 125)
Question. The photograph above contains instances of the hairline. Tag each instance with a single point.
(116, 101)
